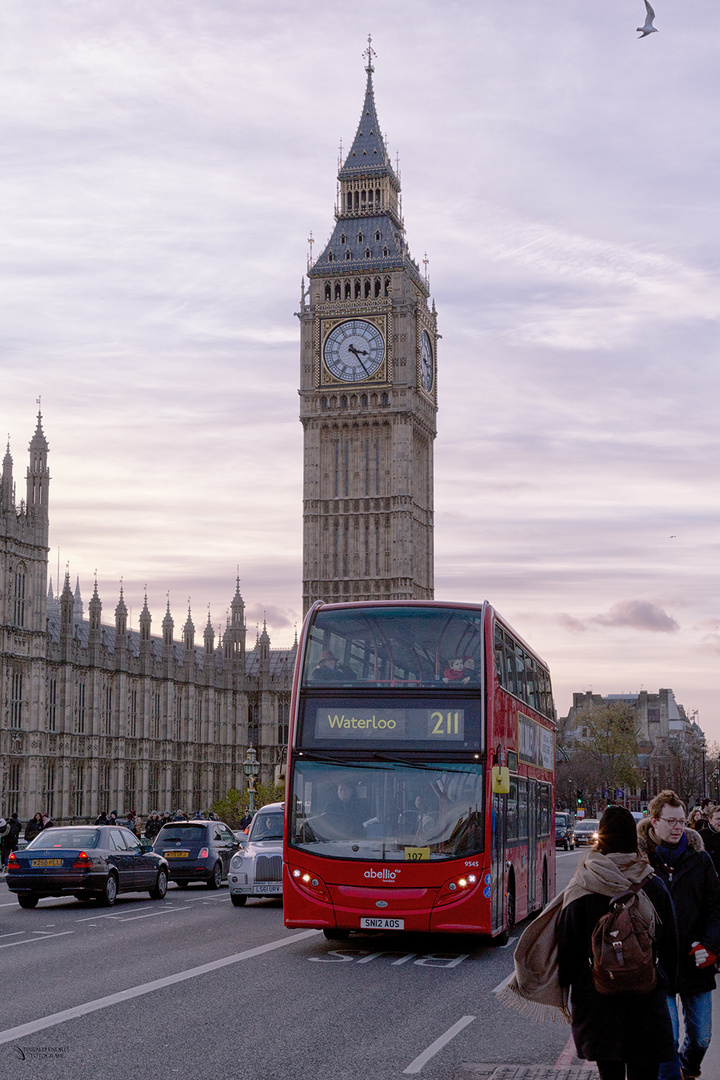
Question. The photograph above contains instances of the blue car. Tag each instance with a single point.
(87, 862)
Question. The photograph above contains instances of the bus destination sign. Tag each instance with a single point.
(378, 722)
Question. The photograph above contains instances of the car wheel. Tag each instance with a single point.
(215, 879)
(238, 900)
(28, 900)
(336, 935)
(160, 887)
(109, 893)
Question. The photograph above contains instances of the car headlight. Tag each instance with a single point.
(236, 862)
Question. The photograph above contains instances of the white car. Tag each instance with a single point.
(257, 869)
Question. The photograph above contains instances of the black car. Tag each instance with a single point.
(85, 861)
(197, 851)
(564, 831)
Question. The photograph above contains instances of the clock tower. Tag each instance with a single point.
(368, 392)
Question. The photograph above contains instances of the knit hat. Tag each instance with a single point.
(617, 831)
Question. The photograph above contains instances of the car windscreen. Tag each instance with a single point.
(587, 826)
(186, 833)
(65, 838)
(561, 821)
(266, 827)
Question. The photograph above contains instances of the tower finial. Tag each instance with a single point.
(369, 52)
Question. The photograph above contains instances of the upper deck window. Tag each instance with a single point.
(405, 648)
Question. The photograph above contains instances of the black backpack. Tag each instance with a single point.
(623, 952)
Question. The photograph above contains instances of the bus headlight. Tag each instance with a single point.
(456, 887)
(310, 883)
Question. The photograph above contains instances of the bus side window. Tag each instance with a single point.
(512, 804)
(522, 810)
(499, 656)
(544, 810)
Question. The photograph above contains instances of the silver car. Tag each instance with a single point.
(257, 869)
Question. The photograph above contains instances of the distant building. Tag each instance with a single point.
(101, 717)
(671, 745)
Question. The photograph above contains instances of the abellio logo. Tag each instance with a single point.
(381, 875)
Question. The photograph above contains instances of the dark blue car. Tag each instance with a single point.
(87, 862)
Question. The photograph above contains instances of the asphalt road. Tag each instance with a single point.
(194, 987)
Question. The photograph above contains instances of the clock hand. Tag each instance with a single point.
(352, 349)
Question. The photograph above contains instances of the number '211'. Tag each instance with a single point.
(445, 723)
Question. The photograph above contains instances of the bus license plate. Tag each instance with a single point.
(382, 924)
(268, 888)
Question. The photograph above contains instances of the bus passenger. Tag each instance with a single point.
(327, 669)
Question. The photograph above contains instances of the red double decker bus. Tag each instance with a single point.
(420, 772)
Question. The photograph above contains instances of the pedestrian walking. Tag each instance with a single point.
(677, 855)
(34, 827)
(711, 836)
(13, 836)
(627, 1034)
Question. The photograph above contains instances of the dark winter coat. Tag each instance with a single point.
(695, 890)
(618, 1027)
(711, 840)
(33, 829)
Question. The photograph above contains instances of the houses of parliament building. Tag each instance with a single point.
(98, 716)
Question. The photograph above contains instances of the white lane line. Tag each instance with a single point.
(567, 1057)
(23, 1030)
(416, 1065)
(14, 933)
(501, 985)
(34, 940)
(148, 915)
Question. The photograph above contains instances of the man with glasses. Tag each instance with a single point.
(677, 855)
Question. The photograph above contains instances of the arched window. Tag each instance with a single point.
(368, 253)
(385, 251)
(370, 198)
(348, 254)
(377, 286)
(377, 197)
(338, 295)
(323, 403)
(367, 287)
(19, 595)
(377, 234)
(360, 238)
(327, 290)
(343, 238)
(357, 200)
(387, 286)
(348, 290)
(330, 256)
(364, 401)
(343, 402)
(358, 289)
(385, 400)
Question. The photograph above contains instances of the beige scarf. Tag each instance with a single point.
(534, 989)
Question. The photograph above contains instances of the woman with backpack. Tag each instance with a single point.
(619, 1025)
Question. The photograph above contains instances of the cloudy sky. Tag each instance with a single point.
(162, 165)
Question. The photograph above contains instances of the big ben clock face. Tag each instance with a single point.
(426, 362)
(354, 350)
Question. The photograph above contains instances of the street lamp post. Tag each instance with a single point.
(251, 769)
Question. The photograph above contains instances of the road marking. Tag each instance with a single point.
(501, 985)
(32, 940)
(568, 1055)
(23, 1030)
(416, 1065)
(15, 933)
(148, 915)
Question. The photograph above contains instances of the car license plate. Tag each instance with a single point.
(177, 854)
(382, 924)
(268, 888)
(46, 862)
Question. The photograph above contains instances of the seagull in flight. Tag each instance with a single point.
(648, 28)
